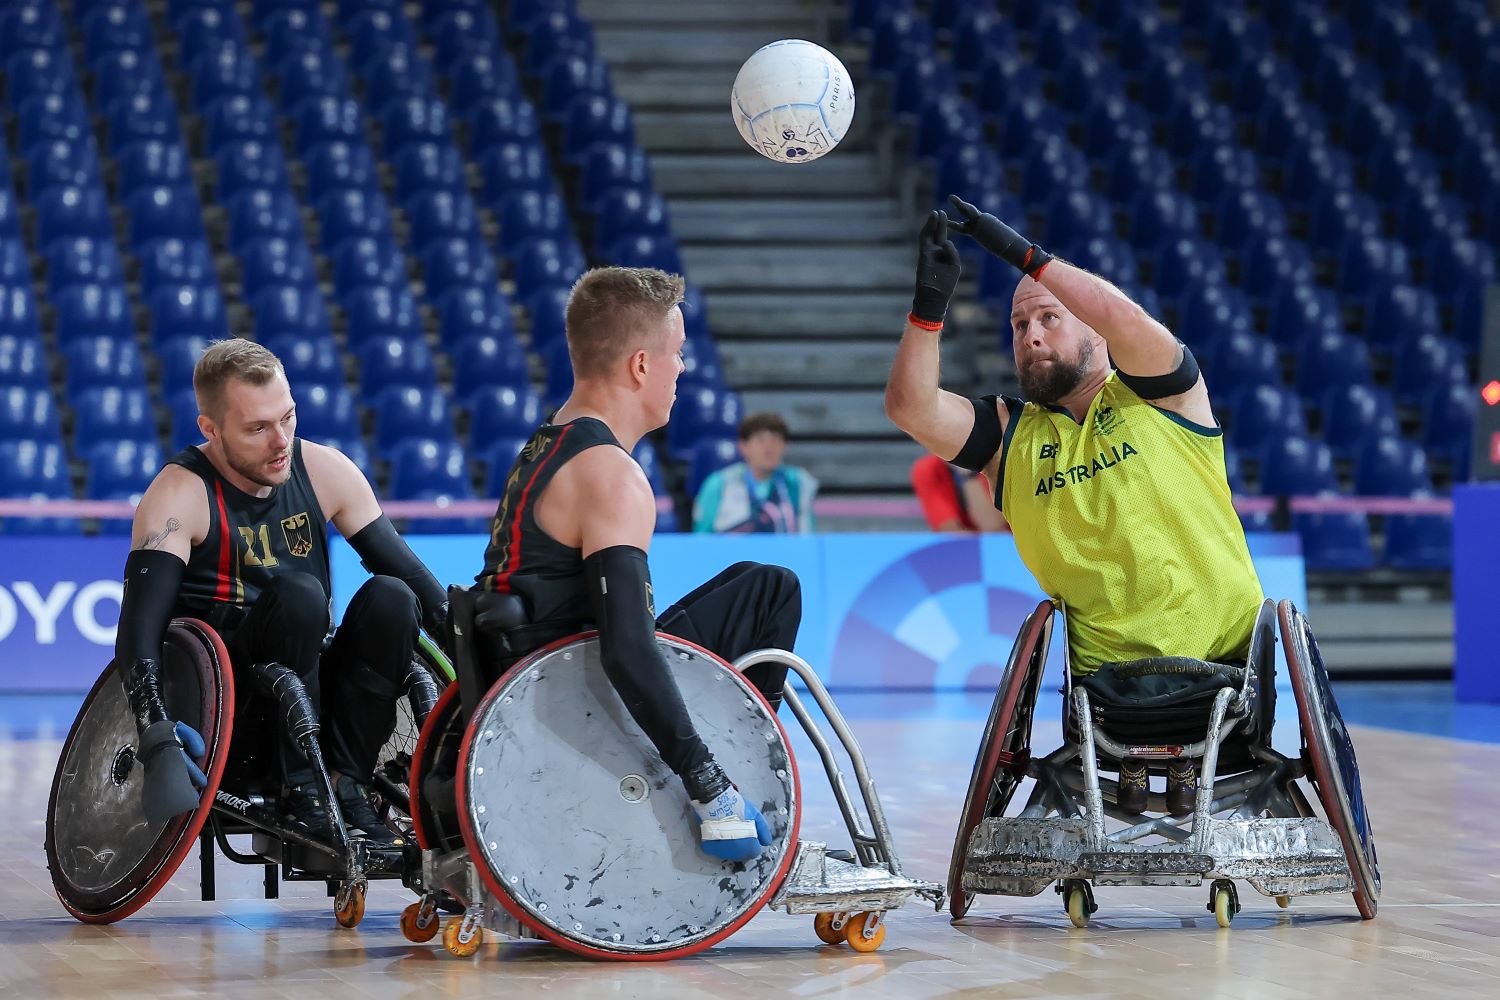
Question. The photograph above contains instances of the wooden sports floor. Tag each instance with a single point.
(1432, 795)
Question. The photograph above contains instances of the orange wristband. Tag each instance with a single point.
(923, 324)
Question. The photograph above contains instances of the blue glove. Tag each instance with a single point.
(730, 828)
(193, 748)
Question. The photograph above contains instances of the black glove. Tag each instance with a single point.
(999, 239)
(172, 779)
(435, 624)
(938, 271)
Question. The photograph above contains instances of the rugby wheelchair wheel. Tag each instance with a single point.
(105, 859)
(1329, 755)
(393, 765)
(1005, 749)
(576, 826)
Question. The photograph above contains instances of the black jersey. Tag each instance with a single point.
(521, 557)
(250, 540)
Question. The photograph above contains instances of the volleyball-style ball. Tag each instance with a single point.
(792, 101)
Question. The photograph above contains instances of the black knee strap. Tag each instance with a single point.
(283, 684)
(421, 691)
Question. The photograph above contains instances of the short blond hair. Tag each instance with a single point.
(611, 308)
(238, 359)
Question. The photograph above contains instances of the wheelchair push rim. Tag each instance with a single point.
(1329, 751)
(1000, 763)
(522, 712)
(101, 881)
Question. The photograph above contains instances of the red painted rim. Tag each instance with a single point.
(497, 888)
(419, 757)
(220, 701)
(989, 761)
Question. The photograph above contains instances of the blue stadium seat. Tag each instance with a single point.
(498, 457)
(175, 262)
(1238, 359)
(1004, 80)
(10, 223)
(1456, 264)
(1355, 413)
(310, 73)
(160, 213)
(276, 262)
(257, 214)
(61, 164)
(529, 214)
(96, 361)
(1335, 541)
(702, 411)
(126, 71)
(1367, 263)
(239, 118)
(480, 76)
(947, 119)
(367, 261)
(570, 76)
(428, 166)
(93, 310)
(482, 362)
(708, 455)
(187, 310)
(121, 470)
(1424, 361)
(23, 362)
(150, 164)
(558, 369)
(1332, 358)
(1114, 122)
(508, 167)
(543, 263)
(81, 261)
(403, 412)
(502, 120)
(1073, 215)
(31, 73)
(548, 309)
(324, 119)
(354, 214)
(921, 76)
(393, 73)
(307, 361)
(469, 311)
(379, 311)
(200, 29)
(1186, 262)
(35, 469)
(595, 118)
(630, 212)
(60, 117)
(1263, 412)
(1391, 466)
(31, 26)
(335, 166)
(896, 30)
(178, 357)
(1159, 214)
(1296, 466)
(1468, 315)
(294, 29)
(965, 168)
(290, 309)
(227, 69)
(645, 250)
(1300, 310)
(1052, 162)
(325, 411)
(419, 465)
(441, 215)
(645, 456)
(1418, 542)
(450, 263)
(1247, 213)
(391, 361)
(1448, 422)
(373, 30)
(245, 166)
(1223, 169)
(978, 30)
(413, 120)
(456, 33)
(110, 413)
(1270, 263)
(553, 34)
(28, 413)
(1344, 213)
(502, 411)
(65, 213)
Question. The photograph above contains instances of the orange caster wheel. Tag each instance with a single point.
(865, 931)
(349, 905)
(419, 927)
(830, 927)
(461, 943)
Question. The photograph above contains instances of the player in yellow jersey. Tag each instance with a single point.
(1111, 472)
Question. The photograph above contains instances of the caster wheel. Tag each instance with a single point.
(457, 944)
(829, 928)
(349, 906)
(413, 926)
(855, 931)
(1283, 901)
(1224, 902)
(1078, 900)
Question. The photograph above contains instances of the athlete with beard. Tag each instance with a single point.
(1111, 471)
(234, 531)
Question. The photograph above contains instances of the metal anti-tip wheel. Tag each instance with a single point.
(413, 927)
(1223, 907)
(1078, 907)
(458, 943)
(865, 931)
(828, 928)
(349, 906)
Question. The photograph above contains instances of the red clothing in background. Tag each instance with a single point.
(932, 480)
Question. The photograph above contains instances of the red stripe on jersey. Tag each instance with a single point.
(224, 590)
(513, 556)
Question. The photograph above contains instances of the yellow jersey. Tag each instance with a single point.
(1126, 520)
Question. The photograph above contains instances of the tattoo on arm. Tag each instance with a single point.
(157, 539)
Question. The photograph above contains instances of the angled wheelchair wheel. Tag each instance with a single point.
(393, 764)
(1005, 748)
(434, 760)
(578, 828)
(1329, 753)
(106, 860)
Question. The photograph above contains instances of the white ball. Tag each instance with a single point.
(792, 101)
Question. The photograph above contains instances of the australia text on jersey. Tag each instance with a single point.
(1078, 473)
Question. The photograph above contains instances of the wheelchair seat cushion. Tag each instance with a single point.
(1158, 700)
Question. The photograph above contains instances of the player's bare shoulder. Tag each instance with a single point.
(327, 465)
(610, 476)
(173, 512)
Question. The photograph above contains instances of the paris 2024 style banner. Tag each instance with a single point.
(911, 611)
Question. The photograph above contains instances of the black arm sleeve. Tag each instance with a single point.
(1161, 386)
(151, 581)
(619, 585)
(984, 440)
(385, 552)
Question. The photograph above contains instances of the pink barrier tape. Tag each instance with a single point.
(118, 510)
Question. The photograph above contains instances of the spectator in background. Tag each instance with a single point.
(954, 499)
(759, 494)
